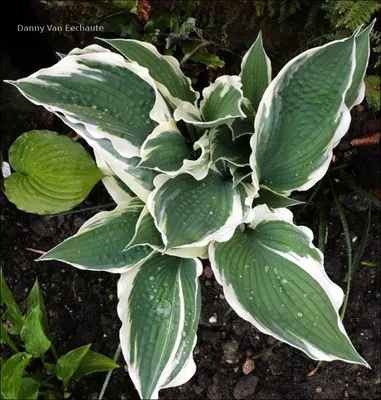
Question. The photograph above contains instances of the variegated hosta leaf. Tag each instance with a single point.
(159, 306)
(116, 188)
(274, 277)
(241, 127)
(222, 147)
(112, 98)
(146, 234)
(166, 150)
(99, 243)
(165, 70)
(255, 72)
(301, 117)
(188, 212)
(239, 174)
(274, 200)
(221, 103)
(138, 180)
(356, 92)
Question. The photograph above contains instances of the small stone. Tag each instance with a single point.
(196, 350)
(213, 319)
(230, 350)
(248, 366)
(318, 389)
(208, 272)
(245, 387)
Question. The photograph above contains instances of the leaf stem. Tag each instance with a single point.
(109, 373)
(264, 352)
(54, 351)
(348, 244)
(83, 210)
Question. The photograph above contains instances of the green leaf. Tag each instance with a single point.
(35, 299)
(53, 173)
(33, 335)
(2, 362)
(146, 234)
(190, 212)
(13, 313)
(274, 277)
(255, 72)
(4, 338)
(68, 364)
(221, 103)
(165, 149)
(93, 362)
(165, 70)
(28, 389)
(11, 375)
(274, 200)
(222, 147)
(301, 117)
(98, 89)
(159, 306)
(135, 180)
(99, 243)
(241, 127)
(356, 92)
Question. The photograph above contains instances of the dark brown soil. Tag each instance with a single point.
(82, 305)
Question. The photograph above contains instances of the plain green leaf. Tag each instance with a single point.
(11, 375)
(68, 363)
(28, 389)
(35, 299)
(93, 362)
(4, 338)
(33, 334)
(159, 306)
(13, 313)
(53, 173)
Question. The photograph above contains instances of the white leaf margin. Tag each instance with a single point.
(172, 62)
(197, 168)
(343, 114)
(268, 61)
(189, 252)
(194, 116)
(102, 216)
(68, 65)
(223, 234)
(315, 269)
(125, 287)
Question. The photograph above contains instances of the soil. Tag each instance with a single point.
(82, 305)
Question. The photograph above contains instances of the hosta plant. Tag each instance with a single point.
(207, 176)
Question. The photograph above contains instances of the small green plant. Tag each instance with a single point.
(211, 178)
(36, 369)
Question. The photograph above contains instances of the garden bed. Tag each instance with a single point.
(82, 305)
